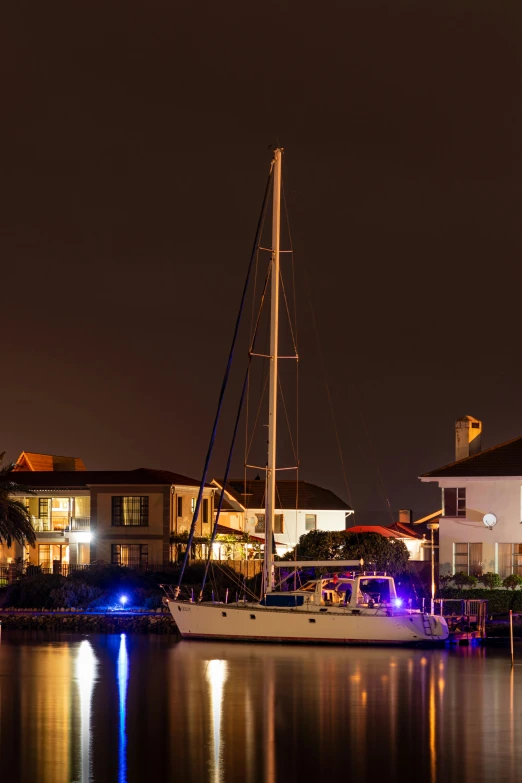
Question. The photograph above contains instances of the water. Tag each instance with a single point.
(134, 708)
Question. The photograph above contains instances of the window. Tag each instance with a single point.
(205, 511)
(509, 559)
(44, 555)
(180, 505)
(130, 554)
(43, 508)
(468, 559)
(278, 523)
(310, 521)
(192, 505)
(454, 500)
(130, 511)
(48, 554)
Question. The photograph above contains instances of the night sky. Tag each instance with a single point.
(135, 147)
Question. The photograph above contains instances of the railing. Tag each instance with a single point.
(80, 523)
(42, 525)
(465, 611)
(72, 524)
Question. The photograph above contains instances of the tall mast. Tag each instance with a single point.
(274, 348)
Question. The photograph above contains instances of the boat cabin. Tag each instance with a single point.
(354, 593)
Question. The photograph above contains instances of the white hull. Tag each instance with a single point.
(252, 622)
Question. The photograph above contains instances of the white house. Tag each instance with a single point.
(301, 507)
(481, 523)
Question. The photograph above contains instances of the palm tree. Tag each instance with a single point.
(15, 520)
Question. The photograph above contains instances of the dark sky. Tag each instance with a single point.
(135, 143)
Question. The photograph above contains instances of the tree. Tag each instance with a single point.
(490, 580)
(379, 553)
(512, 581)
(15, 520)
(321, 545)
(462, 580)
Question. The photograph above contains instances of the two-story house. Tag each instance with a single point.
(301, 507)
(481, 522)
(119, 517)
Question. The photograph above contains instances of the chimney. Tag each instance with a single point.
(468, 433)
(405, 516)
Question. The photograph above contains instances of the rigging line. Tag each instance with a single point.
(287, 419)
(288, 313)
(225, 478)
(327, 387)
(247, 407)
(294, 297)
(225, 381)
(266, 376)
(263, 392)
(233, 440)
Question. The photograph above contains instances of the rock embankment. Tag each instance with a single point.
(71, 622)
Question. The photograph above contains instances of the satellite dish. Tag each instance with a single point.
(489, 520)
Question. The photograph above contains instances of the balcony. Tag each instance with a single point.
(62, 525)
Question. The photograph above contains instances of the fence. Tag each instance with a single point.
(464, 611)
(11, 572)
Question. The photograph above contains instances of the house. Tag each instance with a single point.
(416, 535)
(119, 517)
(301, 507)
(481, 523)
(415, 543)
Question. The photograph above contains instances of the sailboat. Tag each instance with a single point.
(340, 609)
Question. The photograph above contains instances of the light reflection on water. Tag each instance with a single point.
(216, 672)
(123, 679)
(137, 708)
(85, 676)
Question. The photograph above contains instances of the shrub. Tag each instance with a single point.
(34, 592)
(491, 581)
(512, 581)
(462, 580)
(74, 593)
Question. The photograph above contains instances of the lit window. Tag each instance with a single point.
(310, 522)
(192, 505)
(130, 554)
(130, 511)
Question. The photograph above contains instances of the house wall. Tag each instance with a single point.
(500, 497)
(294, 523)
(155, 534)
(181, 523)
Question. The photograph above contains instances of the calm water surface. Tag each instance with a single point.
(134, 708)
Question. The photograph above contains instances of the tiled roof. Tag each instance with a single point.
(85, 478)
(290, 495)
(387, 532)
(502, 460)
(30, 460)
(405, 531)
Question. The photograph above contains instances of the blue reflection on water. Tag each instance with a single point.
(123, 680)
